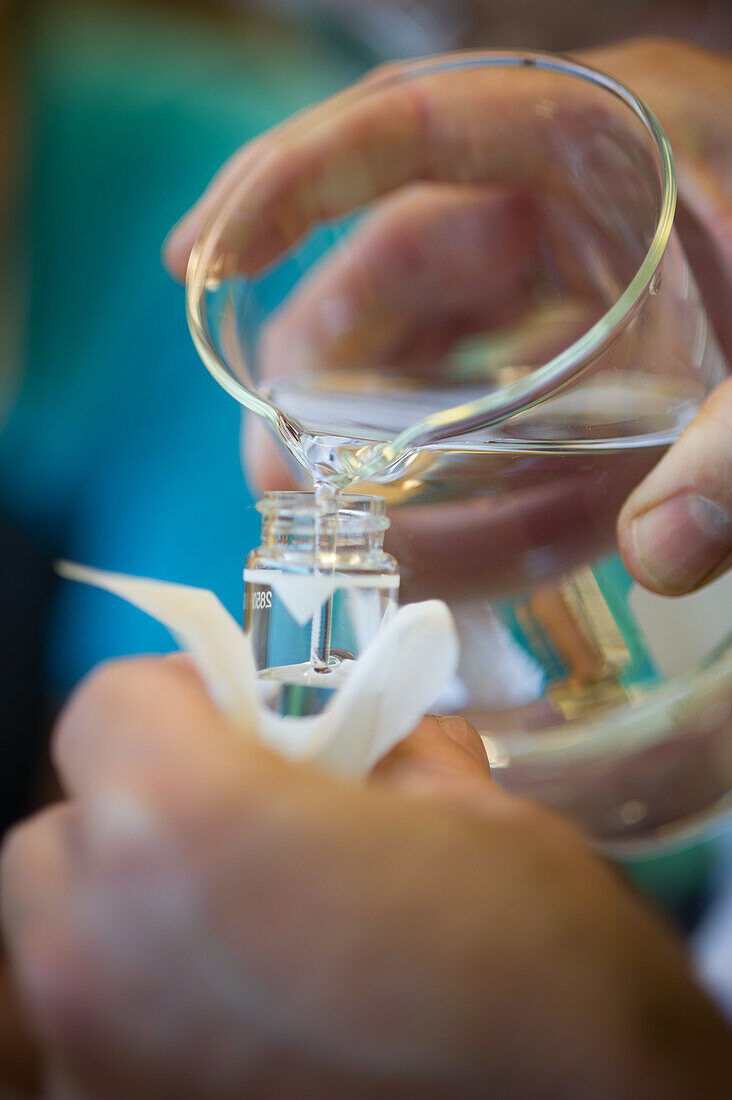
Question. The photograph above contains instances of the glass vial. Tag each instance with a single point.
(288, 595)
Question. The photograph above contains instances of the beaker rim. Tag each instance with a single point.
(557, 372)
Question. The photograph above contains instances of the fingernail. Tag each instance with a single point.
(464, 735)
(680, 541)
(452, 725)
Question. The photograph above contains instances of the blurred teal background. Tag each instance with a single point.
(121, 451)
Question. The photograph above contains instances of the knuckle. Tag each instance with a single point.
(648, 57)
(655, 47)
(103, 692)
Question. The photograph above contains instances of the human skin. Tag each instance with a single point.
(646, 1028)
(674, 532)
(202, 919)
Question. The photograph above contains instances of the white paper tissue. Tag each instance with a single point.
(397, 679)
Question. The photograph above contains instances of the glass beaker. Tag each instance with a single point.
(458, 285)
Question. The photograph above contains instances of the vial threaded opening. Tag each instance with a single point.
(294, 512)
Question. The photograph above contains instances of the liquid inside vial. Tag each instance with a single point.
(300, 690)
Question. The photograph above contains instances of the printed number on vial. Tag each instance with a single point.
(261, 600)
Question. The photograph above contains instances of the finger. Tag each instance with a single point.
(557, 514)
(426, 256)
(480, 128)
(689, 88)
(433, 264)
(42, 876)
(181, 666)
(443, 758)
(181, 238)
(704, 223)
(60, 912)
(179, 242)
(148, 725)
(177, 245)
(441, 743)
(40, 863)
(675, 530)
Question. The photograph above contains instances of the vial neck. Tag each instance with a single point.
(289, 522)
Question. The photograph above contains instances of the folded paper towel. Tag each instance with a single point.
(396, 680)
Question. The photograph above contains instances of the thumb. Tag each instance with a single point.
(675, 530)
(443, 758)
